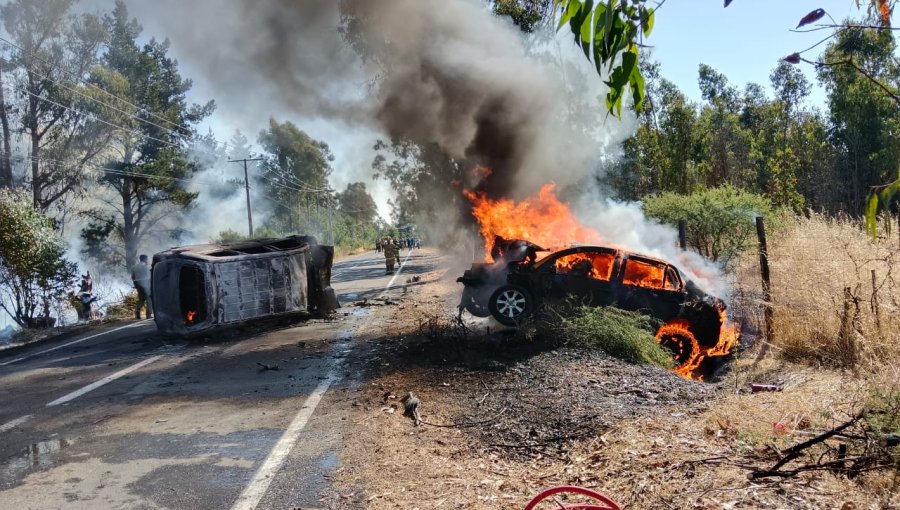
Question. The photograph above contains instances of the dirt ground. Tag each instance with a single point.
(505, 418)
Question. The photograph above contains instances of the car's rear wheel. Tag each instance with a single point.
(681, 346)
(510, 304)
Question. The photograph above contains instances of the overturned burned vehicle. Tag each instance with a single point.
(196, 288)
(518, 282)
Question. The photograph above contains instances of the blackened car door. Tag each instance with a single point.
(652, 287)
(583, 274)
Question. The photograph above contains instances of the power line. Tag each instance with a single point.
(82, 94)
(303, 187)
(224, 144)
(93, 116)
(91, 85)
(112, 170)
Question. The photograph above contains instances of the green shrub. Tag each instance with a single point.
(34, 273)
(720, 222)
(124, 309)
(619, 333)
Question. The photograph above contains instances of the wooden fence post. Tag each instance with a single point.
(766, 282)
(876, 308)
(682, 234)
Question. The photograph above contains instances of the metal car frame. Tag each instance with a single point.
(197, 288)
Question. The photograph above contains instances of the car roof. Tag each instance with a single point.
(626, 253)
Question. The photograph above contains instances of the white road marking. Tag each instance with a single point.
(253, 494)
(15, 423)
(397, 273)
(73, 342)
(108, 379)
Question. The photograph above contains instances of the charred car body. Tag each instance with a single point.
(196, 288)
(518, 283)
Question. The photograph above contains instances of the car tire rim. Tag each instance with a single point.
(511, 303)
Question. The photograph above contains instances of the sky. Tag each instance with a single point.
(744, 41)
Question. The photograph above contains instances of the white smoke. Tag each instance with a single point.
(624, 224)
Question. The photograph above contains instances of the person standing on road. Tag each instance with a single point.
(140, 275)
(391, 255)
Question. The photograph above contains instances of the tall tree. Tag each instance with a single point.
(725, 142)
(295, 175)
(865, 120)
(56, 51)
(6, 175)
(357, 203)
(239, 146)
(145, 181)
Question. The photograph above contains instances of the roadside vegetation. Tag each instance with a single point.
(622, 334)
(33, 268)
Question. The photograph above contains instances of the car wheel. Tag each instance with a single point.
(510, 304)
(680, 345)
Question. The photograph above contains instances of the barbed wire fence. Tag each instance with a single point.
(832, 291)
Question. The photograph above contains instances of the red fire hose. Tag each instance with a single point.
(607, 504)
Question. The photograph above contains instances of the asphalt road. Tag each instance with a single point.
(126, 418)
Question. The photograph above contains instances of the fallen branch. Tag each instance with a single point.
(796, 450)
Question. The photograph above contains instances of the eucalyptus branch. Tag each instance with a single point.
(836, 26)
(849, 62)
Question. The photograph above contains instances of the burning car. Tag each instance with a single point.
(693, 322)
(196, 288)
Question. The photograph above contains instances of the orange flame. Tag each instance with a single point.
(543, 219)
(593, 265)
(547, 221)
(677, 335)
(643, 275)
(190, 316)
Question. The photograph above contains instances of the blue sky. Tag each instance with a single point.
(744, 41)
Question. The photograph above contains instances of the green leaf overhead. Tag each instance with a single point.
(608, 33)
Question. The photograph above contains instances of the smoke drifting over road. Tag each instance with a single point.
(439, 72)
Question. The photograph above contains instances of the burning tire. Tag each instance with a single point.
(693, 347)
(677, 338)
(510, 304)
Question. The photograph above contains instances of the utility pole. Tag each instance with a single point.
(247, 188)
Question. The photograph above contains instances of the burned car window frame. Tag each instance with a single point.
(588, 252)
(668, 270)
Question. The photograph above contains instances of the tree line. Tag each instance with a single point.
(772, 144)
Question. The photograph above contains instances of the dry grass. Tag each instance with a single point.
(827, 309)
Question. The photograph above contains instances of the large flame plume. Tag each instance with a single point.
(542, 219)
